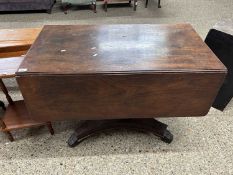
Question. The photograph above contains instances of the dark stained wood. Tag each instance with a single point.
(16, 117)
(119, 71)
(50, 127)
(91, 127)
(16, 42)
(120, 96)
(83, 49)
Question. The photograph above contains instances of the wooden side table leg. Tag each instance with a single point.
(3, 126)
(2, 105)
(159, 3)
(5, 91)
(50, 127)
(146, 3)
(9, 135)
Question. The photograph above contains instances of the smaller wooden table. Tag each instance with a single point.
(16, 42)
(16, 115)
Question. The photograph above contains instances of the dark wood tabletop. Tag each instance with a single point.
(81, 49)
(119, 71)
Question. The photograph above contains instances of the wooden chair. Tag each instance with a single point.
(67, 3)
(16, 42)
(16, 115)
(134, 4)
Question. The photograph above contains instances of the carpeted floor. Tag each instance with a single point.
(201, 145)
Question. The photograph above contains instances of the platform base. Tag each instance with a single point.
(91, 127)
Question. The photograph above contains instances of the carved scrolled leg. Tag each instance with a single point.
(89, 128)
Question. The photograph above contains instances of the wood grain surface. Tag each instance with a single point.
(80, 49)
(16, 42)
(61, 97)
(16, 117)
(119, 71)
